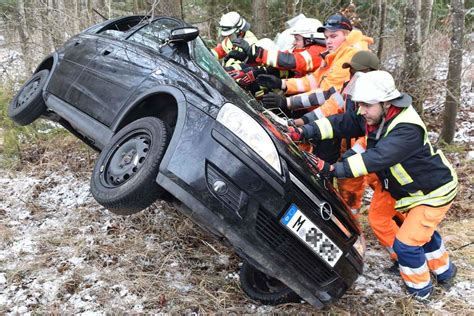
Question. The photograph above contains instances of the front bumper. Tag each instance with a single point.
(231, 192)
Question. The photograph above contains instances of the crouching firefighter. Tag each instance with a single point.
(417, 176)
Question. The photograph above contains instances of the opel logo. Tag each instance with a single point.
(325, 210)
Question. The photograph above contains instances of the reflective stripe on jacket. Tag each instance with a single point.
(303, 61)
(403, 158)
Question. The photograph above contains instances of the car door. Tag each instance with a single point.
(76, 54)
(118, 69)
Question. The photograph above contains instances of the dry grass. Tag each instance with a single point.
(160, 260)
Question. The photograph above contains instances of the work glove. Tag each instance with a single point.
(291, 122)
(252, 51)
(325, 168)
(273, 100)
(294, 133)
(269, 81)
(236, 54)
(251, 75)
(236, 74)
(241, 44)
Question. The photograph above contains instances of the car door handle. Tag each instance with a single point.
(106, 52)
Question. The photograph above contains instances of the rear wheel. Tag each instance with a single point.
(28, 104)
(263, 288)
(123, 179)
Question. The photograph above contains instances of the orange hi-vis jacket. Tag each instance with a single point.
(302, 60)
(330, 73)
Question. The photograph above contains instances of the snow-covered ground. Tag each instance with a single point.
(60, 252)
(57, 255)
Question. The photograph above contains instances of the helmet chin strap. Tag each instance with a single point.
(382, 123)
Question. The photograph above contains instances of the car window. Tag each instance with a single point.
(210, 64)
(155, 33)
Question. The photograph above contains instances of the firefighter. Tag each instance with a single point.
(417, 176)
(342, 42)
(305, 57)
(232, 26)
(352, 189)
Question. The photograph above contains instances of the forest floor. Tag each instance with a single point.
(61, 252)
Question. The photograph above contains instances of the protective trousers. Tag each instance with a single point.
(352, 191)
(420, 249)
(381, 214)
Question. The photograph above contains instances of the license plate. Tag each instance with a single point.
(302, 227)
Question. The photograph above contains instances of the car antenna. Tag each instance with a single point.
(102, 16)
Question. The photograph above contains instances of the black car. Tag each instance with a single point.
(170, 123)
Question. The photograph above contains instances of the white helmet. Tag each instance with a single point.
(266, 43)
(285, 40)
(308, 28)
(232, 22)
(377, 86)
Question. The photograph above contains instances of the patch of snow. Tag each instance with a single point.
(53, 213)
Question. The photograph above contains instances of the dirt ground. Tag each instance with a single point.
(61, 252)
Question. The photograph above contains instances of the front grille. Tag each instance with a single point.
(282, 241)
(336, 223)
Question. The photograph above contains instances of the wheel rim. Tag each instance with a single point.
(126, 160)
(28, 92)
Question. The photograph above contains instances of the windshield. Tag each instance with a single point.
(210, 64)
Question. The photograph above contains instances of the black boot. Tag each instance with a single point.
(448, 283)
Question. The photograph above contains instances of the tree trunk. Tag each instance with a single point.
(426, 10)
(59, 20)
(290, 8)
(23, 32)
(213, 33)
(108, 4)
(47, 42)
(382, 13)
(172, 8)
(90, 13)
(412, 70)
(136, 8)
(73, 15)
(260, 17)
(453, 83)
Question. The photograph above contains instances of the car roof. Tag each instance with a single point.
(125, 25)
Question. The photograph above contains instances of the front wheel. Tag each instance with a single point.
(263, 288)
(28, 104)
(124, 176)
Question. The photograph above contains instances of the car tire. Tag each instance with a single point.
(124, 176)
(28, 104)
(263, 288)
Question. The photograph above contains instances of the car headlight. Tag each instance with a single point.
(249, 131)
(359, 245)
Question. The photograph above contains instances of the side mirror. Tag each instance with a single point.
(183, 34)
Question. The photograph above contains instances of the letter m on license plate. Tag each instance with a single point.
(297, 223)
